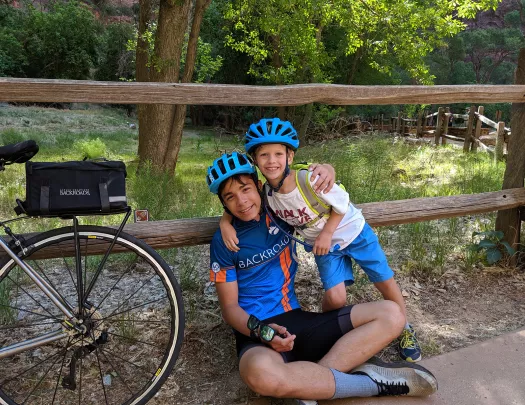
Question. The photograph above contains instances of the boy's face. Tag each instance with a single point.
(271, 160)
(242, 198)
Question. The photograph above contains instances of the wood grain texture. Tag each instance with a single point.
(83, 91)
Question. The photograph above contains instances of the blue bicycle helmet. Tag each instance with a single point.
(226, 166)
(271, 130)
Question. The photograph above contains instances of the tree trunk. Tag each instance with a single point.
(509, 221)
(277, 63)
(156, 127)
(142, 59)
(303, 127)
(177, 126)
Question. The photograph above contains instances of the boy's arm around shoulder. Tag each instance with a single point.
(337, 198)
(228, 232)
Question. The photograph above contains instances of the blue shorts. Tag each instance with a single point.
(336, 267)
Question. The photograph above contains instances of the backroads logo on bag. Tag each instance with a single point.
(74, 191)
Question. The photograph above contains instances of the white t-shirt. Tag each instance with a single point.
(293, 209)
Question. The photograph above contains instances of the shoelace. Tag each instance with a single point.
(392, 388)
(408, 340)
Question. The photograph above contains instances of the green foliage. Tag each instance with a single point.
(493, 245)
(61, 43)
(91, 149)
(289, 47)
(206, 65)
(13, 58)
(116, 62)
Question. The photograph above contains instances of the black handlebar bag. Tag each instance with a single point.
(79, 187)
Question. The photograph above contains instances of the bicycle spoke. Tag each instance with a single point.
(118, 374)
(63, 299)
(70, 274)
(136, 291)
(32, 367)
(28, 325)
(113, 287)
(80, 376)
(132, 339)
(131, 309)
(60, 372)
(146, 372)
(31, 312)
(101, 376)
(30, 296)
(40, 381)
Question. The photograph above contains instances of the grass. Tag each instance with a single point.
(372, 167)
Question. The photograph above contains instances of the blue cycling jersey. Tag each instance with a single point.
(264, 267)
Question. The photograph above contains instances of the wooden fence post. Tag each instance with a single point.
(439, 125)
(419, 128)
(500, 141)
(470, 127)
(382, 118)
(499, 113)
(477, 131)
(446, 122)
(398, 124)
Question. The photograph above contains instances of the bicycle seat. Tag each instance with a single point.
(18, 153)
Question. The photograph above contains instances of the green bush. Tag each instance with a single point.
(91, 149)
(61, 43)
(116, 61)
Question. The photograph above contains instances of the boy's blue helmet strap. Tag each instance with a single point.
(271, 130)
(285, 175)
(226, 166)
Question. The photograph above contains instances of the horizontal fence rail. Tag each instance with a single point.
(80, 91)
(199, 231)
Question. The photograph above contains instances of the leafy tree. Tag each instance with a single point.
(13, 58)
(61, 43)
(116, 61)
(488, 48)
(284, 45)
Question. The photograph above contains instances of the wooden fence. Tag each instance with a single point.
(164, 234)
(438, 125)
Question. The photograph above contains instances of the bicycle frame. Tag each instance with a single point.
(71, 324)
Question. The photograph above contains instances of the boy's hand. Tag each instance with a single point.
(278, 343)
(229, 236)
(323, 176)
(323, 243)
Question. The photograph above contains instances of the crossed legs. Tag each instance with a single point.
(376, 324)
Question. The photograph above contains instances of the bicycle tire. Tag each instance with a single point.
(137, 339)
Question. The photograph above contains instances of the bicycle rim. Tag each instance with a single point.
(134, 321)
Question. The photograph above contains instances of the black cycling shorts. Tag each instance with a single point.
(315, 332)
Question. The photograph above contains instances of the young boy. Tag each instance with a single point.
(272, 144)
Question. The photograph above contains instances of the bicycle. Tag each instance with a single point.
(88, 314)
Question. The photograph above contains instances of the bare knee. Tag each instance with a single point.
(334, 298)
(392, 315)
(265, 378)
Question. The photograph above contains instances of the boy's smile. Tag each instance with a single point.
(271, 160)
(242, 198)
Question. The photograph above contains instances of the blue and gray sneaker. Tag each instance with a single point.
(409, 348)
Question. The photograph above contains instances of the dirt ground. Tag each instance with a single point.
(451, 311)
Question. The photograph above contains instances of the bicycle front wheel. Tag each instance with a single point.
(131, 319)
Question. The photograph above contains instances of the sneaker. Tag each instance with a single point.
(306, 402)
(401, 378)
(409, 348)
